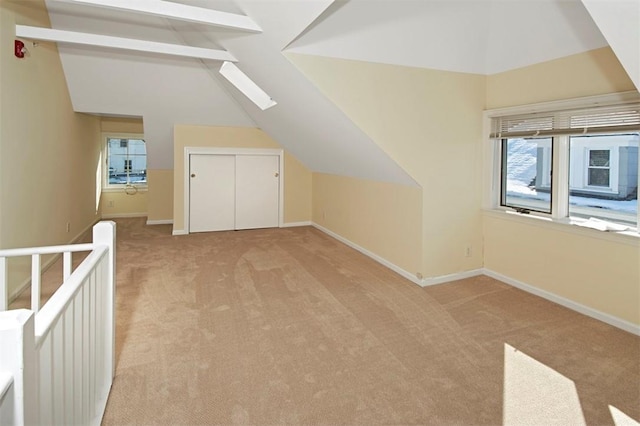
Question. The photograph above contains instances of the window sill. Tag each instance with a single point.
(138, 189)
(631, 237)
(598, 189)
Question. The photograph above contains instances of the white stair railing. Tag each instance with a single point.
(57, 363)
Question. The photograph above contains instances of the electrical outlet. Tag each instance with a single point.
(468, 251)
(110, 203)
(68, 226)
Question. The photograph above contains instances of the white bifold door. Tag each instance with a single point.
(233, 192)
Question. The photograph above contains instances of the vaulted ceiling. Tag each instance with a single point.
(473, 36)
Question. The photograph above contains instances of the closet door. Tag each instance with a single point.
(211, 192)
(257, 191)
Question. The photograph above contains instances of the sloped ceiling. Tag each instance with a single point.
(475, 36)
(481, 37)
(620, 24)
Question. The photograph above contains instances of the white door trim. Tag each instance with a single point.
(198, 150)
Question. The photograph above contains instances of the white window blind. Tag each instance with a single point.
(594, 120)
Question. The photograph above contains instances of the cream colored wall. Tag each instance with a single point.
(430, 123)
(383, 218)
(121, 125)
(297, 178)
(595, 272)
(595, 72)
(119, 203)
(49, 155)
(297, 190)
(160, 202)
(601, 274)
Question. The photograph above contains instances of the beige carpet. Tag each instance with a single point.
(288, 326)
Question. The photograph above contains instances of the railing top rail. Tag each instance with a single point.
(28, 251)
(55, 306)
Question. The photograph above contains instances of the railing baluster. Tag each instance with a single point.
(45, 382)
(99, 332)
(68, 318)
(57, 356)
(86, 373)
(4, 291)
(66, 265)
(35, 283)
(92, 349)
(78, 310)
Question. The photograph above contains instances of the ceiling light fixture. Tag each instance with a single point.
(244, 84)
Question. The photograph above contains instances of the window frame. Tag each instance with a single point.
(120, 187)
(503, 195)
(492, 153)
(591, 167)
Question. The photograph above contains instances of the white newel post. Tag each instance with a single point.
(104, 233)
(17, 355)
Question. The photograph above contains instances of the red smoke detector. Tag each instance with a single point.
(19, 49)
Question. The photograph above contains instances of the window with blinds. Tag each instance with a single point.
(595, 120)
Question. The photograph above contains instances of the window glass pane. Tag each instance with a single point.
(117, 170)
(138, 172)
(599, 177)
(526, 173)
(603, 177)
(599, 157)
(137, 147)
(127, 161)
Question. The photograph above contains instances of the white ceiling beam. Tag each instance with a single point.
(181, 12)
(247, 86)
(72, 37)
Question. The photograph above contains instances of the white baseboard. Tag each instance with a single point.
(424, 282)
(567, 303)
(590, 312)
(179, 232)
(395, 268)
(450, 277)
(160, 222)
(295, 224)
(123, 215)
